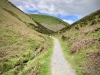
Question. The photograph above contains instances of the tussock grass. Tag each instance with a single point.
(18, 41)
(37, 66)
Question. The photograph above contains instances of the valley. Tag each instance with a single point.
(26, 46)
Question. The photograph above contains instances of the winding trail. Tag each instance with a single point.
(59, 66)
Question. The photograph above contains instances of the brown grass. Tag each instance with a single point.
(54, 27)
(89, 30)
(82, 43)
(93, 64)
(34, 71)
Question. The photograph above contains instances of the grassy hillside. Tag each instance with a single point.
(81, 44)
(91, 19)
(18, 40)
(49, 22)
(11, 9)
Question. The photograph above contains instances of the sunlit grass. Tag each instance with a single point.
(39, 65)
(50, 20)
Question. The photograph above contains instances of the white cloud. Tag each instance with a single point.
(68, 21)
(77, 7)
(21, 8)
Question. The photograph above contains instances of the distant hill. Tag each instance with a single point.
(82, 41)
(50, 22)
(19, 39)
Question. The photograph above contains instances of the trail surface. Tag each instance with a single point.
(59, 66)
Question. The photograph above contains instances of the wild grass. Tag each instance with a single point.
(37, 66)
(20, 53)
(17, 41)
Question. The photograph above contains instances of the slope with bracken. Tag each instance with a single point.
(82, 40)
(18, 42)
(49, 22)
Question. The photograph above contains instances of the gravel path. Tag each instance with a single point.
(59, 66)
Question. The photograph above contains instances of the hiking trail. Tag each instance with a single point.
(59, 65)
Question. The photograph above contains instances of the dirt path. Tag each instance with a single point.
(59, 66)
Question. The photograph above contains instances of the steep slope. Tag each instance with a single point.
(23, 17)
(82, 44)
(18, 42)
(90, 19)
(40, 28)
(49, 22)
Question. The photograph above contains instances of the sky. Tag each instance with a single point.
(69, 11)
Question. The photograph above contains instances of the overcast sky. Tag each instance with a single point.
(67, 10)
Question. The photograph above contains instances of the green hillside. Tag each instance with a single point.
(19, 41)
(26, 48)
(49, 22)
(81, 44)
(23, 17)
